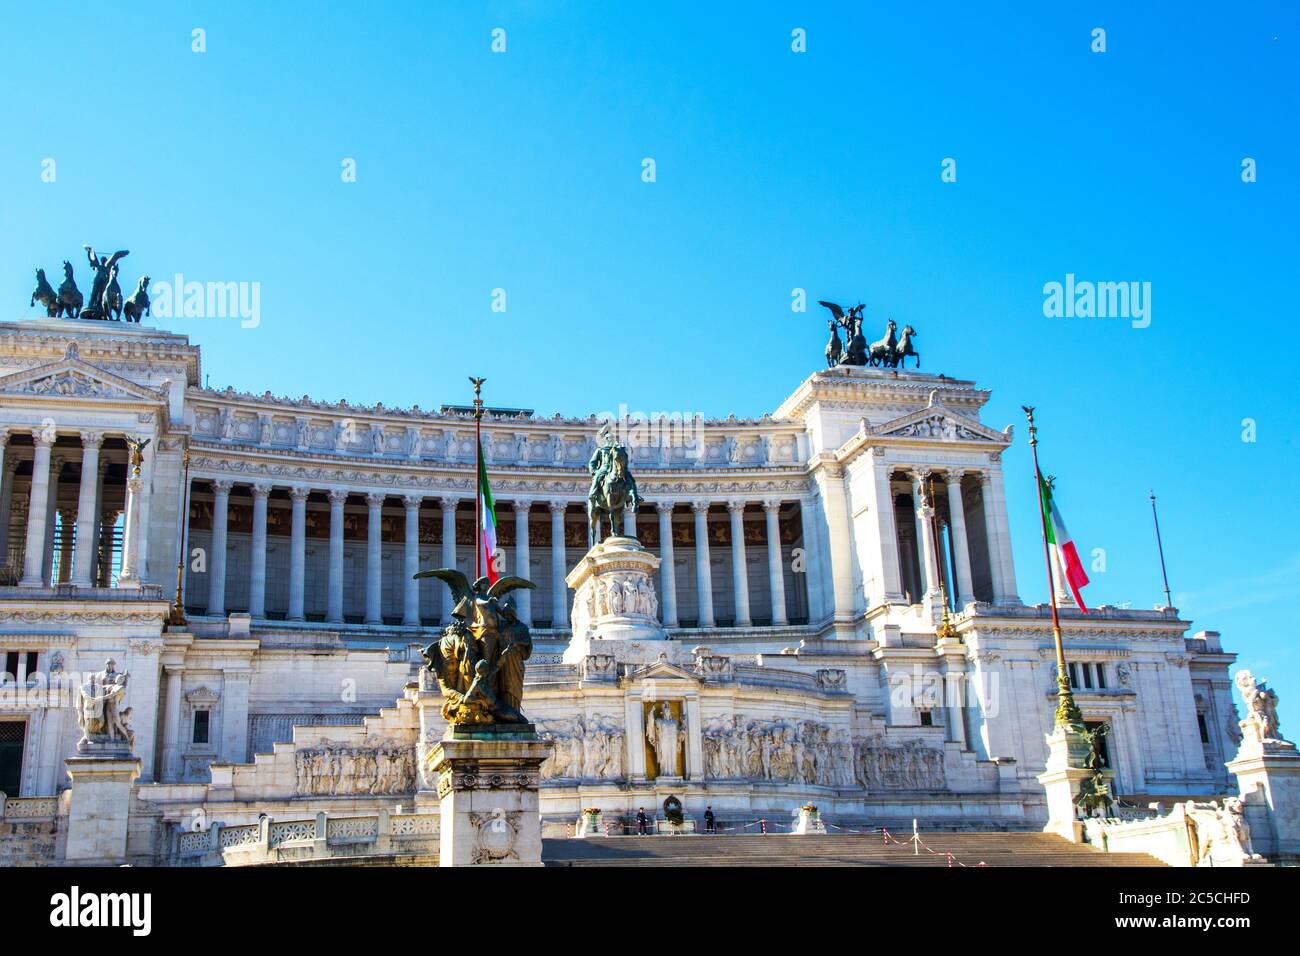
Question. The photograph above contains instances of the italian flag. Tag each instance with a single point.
(1058, 540)
(487, 532)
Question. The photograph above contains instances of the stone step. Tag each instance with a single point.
(993, 849)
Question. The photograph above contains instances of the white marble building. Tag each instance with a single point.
(798, 588)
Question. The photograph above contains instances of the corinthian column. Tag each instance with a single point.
(739, 570)
(87, 509)
(217, 559)
(298, 552)
(257, 557)
(411, 556)
(559, 590)
(523, 597)
(957, 522)
(130, 576)
(703, 572)
(775, 573)
(37, 508)
(667, 573)
(374, 557)
(334, 588)
(925, 535)
(449, 506)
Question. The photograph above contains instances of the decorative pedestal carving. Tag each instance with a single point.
(1067, 768)
(101, 799)
(487, 785)
(614, 597)
(1268, 777)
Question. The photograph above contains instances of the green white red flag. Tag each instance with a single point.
(487, 531)
(1058, 539)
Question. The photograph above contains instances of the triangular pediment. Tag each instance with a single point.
(937, 422)
(663, 670)
(70, 377)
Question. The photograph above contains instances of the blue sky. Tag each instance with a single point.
(775, 170)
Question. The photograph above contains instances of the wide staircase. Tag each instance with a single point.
(969, 849)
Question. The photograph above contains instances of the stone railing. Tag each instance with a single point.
(1172, 838)
(28, 809)
(323, 837)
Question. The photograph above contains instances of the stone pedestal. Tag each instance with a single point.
(1067, 758)
(1268, 776)
(487, 787)
(100, 802)
(614, 597)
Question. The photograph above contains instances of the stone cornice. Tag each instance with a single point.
(111, 346)
(311, 469)
(875, 386)
(380, 413)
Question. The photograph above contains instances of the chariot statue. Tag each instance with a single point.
(890, 351)
(105, 300)
(612, 487)
(479, 660)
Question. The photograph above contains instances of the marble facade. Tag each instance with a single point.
(785, 606)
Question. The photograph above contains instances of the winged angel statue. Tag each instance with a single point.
(479, 660)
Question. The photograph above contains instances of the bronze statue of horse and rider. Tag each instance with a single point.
(612, 489)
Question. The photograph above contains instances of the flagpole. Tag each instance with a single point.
(1067, 712)
(1169, 602)
(478, 474)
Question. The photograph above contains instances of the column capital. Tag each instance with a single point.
(665, 506)
(449, 502)
(44, 436)
(736, 506)
(953, 476)
(338, 496)
(412, 502)
(522, 504)
(375, 499)
(261, 491)
(700, 507)
(558, 507)
(983, 476)
(4, 437)
(298, 493)
(92, 439)
(772, 505)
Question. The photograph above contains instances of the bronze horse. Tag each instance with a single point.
(45, 295)
(70, 298)
(613, 493)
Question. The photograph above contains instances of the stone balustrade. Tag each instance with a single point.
(315, 839)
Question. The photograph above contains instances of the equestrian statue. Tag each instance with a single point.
(612, 487)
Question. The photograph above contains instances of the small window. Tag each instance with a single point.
(1087, 676)
(1205, 730)
(11, 666)
(1074, 674)
(202, 724)
(927, 718)
(1101, 676)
